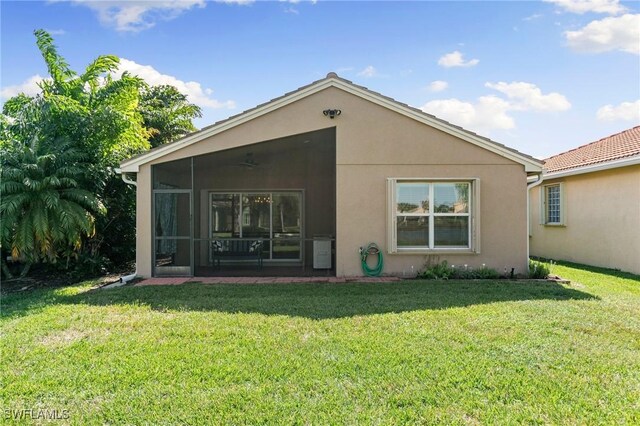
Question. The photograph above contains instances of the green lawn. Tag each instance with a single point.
(456, 352)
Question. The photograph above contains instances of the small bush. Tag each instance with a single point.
(538, 270)
(444, 271)
(82, 266)
(485, 273)
(438, 271)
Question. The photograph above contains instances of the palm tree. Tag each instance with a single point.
(44, 212)
(94, 112)
(80, 125)
(167, 113)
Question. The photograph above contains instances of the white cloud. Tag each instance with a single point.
(437, 86)
(54, 32)
(290, 1)
(626, 111)
(532, 17)
(492, 112)
(369, 71)
(240, 2)
(29, 87)
(194, 91)
(455, 59)
(619, 33)
(527, 96)
(611, 7)
(488, 113)
(138, 15)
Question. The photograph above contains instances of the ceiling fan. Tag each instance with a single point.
(248, 161)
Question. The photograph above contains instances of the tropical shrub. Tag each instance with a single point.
(437, 271)
(444, 271)
(60, 150)
(538, 270)
(45, 213)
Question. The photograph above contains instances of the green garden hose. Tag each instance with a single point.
(372, 249)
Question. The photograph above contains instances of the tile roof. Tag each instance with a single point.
(615, 147)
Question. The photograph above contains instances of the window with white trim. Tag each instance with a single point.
(552, 211)
(431, 214)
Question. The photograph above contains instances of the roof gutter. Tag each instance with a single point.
(125, 278)
(629, 161)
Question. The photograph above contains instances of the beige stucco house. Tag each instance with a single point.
(317, 173)
(587, 208)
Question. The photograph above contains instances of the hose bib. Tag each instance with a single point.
(371, 249)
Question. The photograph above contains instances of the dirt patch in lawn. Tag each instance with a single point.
(38, 281)
(63, 338)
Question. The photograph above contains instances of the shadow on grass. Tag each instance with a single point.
(320, 301)
(596, 269)
(604, 271)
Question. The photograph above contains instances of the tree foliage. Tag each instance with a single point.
(59, 192)
(167, 113)
(44, 210)
(100, 115)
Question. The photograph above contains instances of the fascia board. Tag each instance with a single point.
(624, 162)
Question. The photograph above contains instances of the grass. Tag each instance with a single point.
(454, 352)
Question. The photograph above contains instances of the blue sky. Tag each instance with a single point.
(542, 77)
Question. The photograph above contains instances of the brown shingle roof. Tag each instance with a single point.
(615, 147)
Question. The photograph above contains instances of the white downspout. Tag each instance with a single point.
(126, 179)
(529, 188)
(126, 278)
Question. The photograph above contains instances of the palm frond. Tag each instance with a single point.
(57, 66)
(101, 65)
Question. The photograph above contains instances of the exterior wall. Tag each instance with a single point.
(362, 205)
(602, 220)
(373, 144)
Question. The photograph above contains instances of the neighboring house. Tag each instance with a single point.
(587, 209)
(336, 160)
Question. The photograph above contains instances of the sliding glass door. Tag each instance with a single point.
(224, 215)
(286, 226)
(256, 219)
(274, 217)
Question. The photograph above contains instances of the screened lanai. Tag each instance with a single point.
(256, 210)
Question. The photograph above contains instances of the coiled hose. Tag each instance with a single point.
(372, 249)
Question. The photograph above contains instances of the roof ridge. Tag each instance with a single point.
(504, 149)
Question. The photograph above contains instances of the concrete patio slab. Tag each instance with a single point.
(262, 280)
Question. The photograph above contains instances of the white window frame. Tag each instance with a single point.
(544, 204)
(473, 214)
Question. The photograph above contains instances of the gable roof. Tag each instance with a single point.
(531, 164)
(610, 150)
